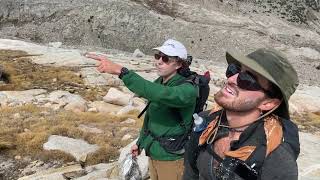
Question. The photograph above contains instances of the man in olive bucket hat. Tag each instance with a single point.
(250, 135)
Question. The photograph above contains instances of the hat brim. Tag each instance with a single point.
(235, 57)
(168, 51)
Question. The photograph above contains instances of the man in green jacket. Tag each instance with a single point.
(169, 114)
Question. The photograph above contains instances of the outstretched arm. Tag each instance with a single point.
(177, 96)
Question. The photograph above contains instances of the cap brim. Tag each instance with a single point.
(235, 57)
(168, 51)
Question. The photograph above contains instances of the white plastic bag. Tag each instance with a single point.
(130, 169)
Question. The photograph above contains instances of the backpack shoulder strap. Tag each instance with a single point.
(144, 110)
(291, 136)
(189, 79)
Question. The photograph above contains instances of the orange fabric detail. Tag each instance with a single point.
(274, 133)
(272, 127)
(242, 153)
(209, 131)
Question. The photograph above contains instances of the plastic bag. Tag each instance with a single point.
(130, 169)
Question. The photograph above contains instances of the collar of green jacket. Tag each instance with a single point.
(172, 81)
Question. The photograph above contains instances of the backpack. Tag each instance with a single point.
(201, 81)
(176, 144)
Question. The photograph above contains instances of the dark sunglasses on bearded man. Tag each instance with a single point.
(246, 80)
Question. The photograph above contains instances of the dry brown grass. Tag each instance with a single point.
(22, 74)
(9, 54)
(309, 122)
(314, 119)
(25, 135)
(104, 154)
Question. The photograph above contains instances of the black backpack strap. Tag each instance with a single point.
(144, 110)
(180, 119)
(291, 136)
(190, 79)
(257, 157)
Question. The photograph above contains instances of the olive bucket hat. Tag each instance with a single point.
(273, 66)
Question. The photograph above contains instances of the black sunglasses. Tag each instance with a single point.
(246, 80)
(164, 57)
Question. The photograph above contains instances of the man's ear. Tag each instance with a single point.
(269, 104)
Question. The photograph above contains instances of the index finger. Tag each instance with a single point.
(93, 56)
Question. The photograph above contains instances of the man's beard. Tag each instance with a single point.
(238, 104)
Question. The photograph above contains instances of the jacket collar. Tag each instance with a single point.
(171, 81)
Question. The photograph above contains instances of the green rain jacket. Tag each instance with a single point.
(167, 100)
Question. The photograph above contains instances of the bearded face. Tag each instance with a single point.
(230, 98)
(233, 98)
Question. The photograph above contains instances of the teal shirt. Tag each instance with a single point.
(166, 101)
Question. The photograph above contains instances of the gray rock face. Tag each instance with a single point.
(97, 172)
(305, 99)
(55, 99)
(207, 28)
(92, 76)
(76, 147)
(117, 97)
(308, 161)
(76, 172)
(72, 102)
(104, 107)
(15, 98)
(137, 53)
(52, 174)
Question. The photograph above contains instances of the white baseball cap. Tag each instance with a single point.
(173, 48)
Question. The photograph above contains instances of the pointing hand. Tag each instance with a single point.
(105, 65)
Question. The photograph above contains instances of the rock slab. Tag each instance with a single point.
(76, 147)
